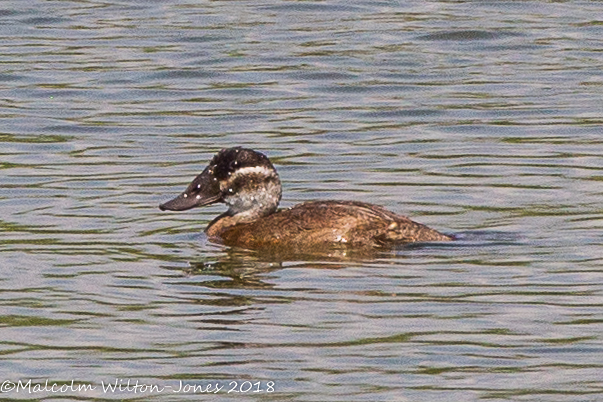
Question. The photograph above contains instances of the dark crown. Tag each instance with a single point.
(229, 160)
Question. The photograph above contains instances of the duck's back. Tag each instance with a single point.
(322, 224)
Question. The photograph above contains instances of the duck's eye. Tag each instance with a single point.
(233, 165)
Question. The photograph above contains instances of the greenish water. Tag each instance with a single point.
(481, 119)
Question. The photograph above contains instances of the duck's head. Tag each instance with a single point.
(242, 178)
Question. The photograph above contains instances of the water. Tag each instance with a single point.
(477, 118)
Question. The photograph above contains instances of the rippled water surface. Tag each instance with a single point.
(482, 119)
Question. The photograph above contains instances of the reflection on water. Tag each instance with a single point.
(479, 119)
(238, 268)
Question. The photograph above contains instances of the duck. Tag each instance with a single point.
(248, 183)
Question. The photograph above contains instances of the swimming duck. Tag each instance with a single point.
(247, 182)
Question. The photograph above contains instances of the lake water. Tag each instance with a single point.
(482, 119)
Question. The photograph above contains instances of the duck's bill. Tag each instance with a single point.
(202, 191)
(182, 203)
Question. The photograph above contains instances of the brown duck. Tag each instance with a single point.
(247, 182)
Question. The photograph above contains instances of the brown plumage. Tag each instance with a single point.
(322, 223)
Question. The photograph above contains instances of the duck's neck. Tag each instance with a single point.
(253, 198)
(247, 205)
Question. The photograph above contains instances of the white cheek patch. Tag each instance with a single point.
(248, 171)
(261, 170)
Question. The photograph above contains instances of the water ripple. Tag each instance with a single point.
(480, 119)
